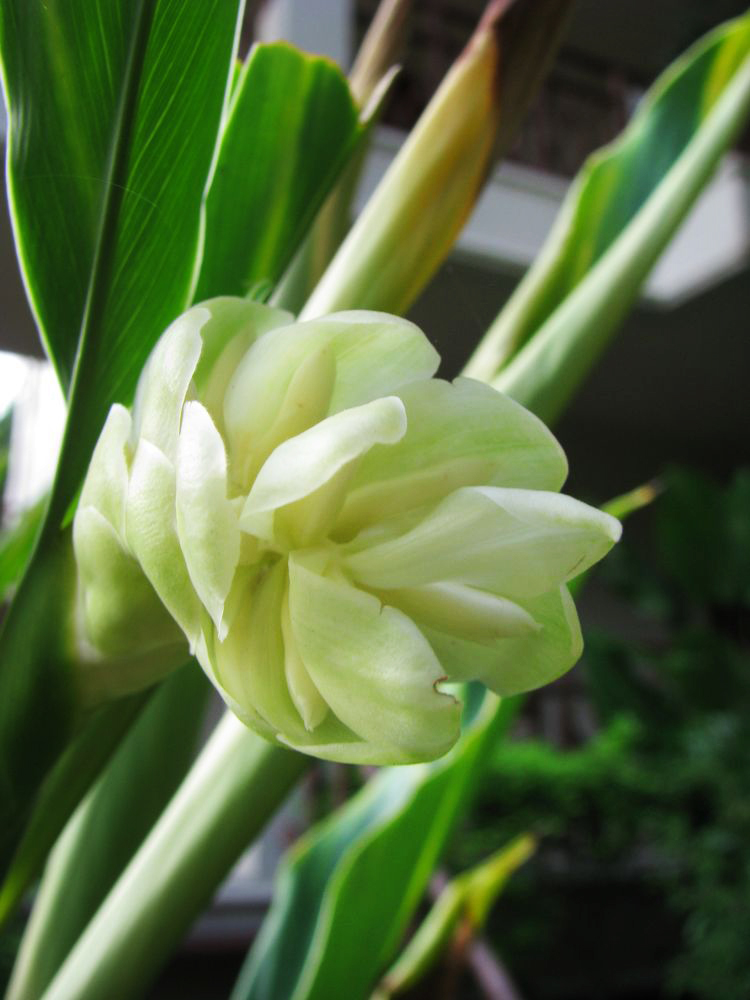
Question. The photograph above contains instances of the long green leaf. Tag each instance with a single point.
(114, 112)
(348, 889)
(617, 219)
(16, 546)
(109, 826)
(113, 116)
(292, 125)
(38, 704)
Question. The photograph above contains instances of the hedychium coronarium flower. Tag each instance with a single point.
(337, 534)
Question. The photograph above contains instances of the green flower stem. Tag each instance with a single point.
(238, 782)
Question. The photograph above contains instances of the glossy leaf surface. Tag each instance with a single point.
(292, 125)
(114, 112)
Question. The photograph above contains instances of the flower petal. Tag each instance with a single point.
(305, 463)
(249, 669)
(115, 593)
(310, 705)
(371, 664)
(306, 402)
(165, 379)
(519, 543)
(106, 484)
(374, 355)
(206, 520)
(152, 536)
(461, 610)
(463, 434)
(234, 325)
(510, 666)
(250, 661)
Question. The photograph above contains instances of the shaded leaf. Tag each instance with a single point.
(66, 785)
(461, 908)
(16, 546)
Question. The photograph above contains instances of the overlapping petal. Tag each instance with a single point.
(460, 434)
(371, 663)
(518, 543)
(152, 536)
(164, 382)
(522, 663)
(303, 464)
(106, 485)
(206, 521)
(373, 355)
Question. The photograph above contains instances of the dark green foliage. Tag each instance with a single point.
(642, 882)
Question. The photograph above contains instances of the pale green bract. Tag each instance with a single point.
(337, 533)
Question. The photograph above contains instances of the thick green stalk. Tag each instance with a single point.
(237, 783)
(547, 372)
(110, 825)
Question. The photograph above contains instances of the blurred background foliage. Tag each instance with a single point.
(641, 882)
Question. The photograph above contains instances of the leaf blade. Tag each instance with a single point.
(618, 217)
(292, 125)
(331, 893)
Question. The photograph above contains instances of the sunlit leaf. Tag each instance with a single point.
(618, 217)
(292, 125)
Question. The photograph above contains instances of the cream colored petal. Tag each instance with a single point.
(463, 434)
(461, 610)
(121, 611)
(106, 485)
(306, 697)
(511, 542)
(152, 536)
(304, 464)
(163, 385)
(206, 519)
(374, 355)
(371, 664)
(249, 663)
(510, 666)
(234, 325)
